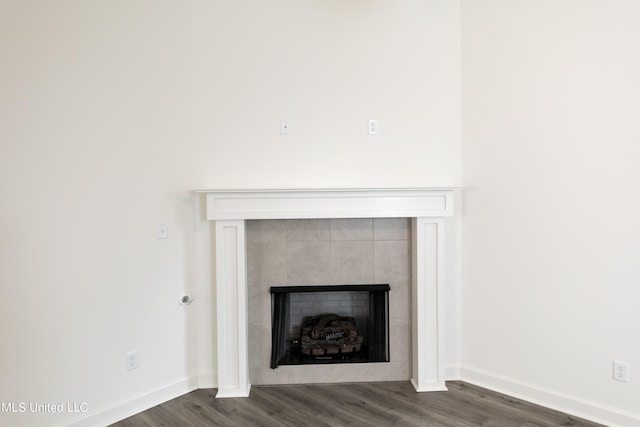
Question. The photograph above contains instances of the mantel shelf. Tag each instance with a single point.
(329, 203)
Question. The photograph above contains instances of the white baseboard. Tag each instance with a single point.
(142, 402)
(551, 399)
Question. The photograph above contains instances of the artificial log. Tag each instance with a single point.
(330, 334)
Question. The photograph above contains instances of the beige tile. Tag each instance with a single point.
(266, 263)
(309, 252)
(352, 262)
(259, 304)
(392, 261)
(303, 230)
(309, 374)
(267, 376)
(352, 372)
(259, 344)
(392, 372)
(400, 340)
(352, 229)
(266, 230)
(400, 301)
(392, 228)
(308, 263)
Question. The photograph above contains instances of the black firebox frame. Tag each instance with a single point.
(377, 349)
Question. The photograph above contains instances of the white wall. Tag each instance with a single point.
(551, 146)
(327, 67)
(112, 112)
(95, 122)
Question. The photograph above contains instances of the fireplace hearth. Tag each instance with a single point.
(355, 330)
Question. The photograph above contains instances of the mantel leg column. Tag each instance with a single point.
(231, 313)
(428, 304)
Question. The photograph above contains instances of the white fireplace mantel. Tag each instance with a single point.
(427, 207)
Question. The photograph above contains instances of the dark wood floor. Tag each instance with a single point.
(358, 404)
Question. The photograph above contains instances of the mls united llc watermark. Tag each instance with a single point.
(43, 407)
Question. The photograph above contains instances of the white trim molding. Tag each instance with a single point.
(427, 304)
(552, 399)
(134, 404)
(232, 306)
(426, 206)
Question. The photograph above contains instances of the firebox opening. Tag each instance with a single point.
(329, 324)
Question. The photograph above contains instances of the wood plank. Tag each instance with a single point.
(354, 404)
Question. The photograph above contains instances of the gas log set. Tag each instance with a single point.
(329, 334)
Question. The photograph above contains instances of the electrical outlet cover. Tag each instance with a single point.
(132, 360)
(621, 371)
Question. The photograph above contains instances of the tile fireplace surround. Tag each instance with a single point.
(426, 208)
